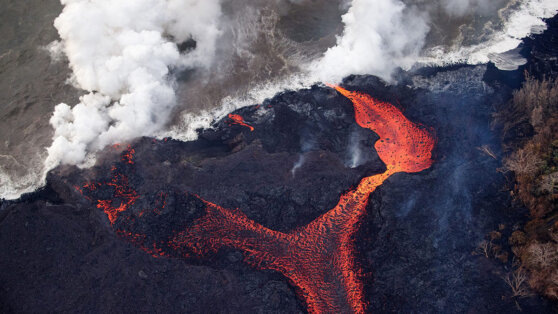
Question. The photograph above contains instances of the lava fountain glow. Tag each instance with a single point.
(319, 258)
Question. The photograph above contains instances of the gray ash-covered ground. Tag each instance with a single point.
(61, 254)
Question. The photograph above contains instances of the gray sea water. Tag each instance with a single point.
(280, 36)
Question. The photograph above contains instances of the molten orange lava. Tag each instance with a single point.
(121, 200)
(123, 195)
(238, 119)
(319, 258)
(128, 155)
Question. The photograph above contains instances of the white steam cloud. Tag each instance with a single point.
(379, 36)
(121, 53)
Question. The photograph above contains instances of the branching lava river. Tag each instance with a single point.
(319, 258)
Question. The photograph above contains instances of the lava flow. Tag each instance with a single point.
(238, 119)
(319, 258)
(123, 195)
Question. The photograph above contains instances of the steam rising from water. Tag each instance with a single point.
(121, 53)
(125, 55)
(379, 36)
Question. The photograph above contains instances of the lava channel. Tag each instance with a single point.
(319, 258)
(238, 119)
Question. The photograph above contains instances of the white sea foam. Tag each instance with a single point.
(520, 19)
(186, 130)
(15, 179)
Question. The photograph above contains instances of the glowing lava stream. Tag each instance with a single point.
(238, 119)
(319, 258)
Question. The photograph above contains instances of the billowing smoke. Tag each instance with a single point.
(379, 36)
(121, 53)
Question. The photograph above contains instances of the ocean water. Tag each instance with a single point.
(165, 68)
(31, 84)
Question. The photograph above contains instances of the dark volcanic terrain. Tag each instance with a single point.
(61, 254)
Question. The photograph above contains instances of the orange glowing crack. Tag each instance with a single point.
(319, 258)
(238, 119)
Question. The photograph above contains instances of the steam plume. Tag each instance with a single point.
(121, 53)
(379, 36)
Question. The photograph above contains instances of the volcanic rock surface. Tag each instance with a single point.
(61, 253)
